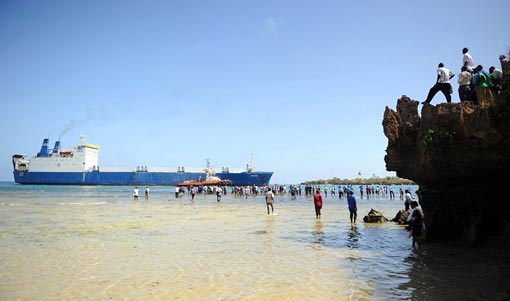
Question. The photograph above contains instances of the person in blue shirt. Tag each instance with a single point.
(353, 208)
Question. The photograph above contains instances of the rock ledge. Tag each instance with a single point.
(459, 154)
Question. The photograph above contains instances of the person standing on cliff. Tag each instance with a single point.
(317, 201)
(483, 87)
(464, 84)
(442, 84)
(496, 77)
(467, 60)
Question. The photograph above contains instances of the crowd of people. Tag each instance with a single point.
(415, 215)
(365, 191)
(475, 83)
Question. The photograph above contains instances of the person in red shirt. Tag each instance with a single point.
(193, 193)
(317, 200)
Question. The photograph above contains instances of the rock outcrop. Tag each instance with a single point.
(459, 154)
(401, 217)
(374, 216)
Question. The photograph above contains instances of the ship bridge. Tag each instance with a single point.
(83, 157)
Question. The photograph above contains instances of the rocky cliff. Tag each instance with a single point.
(459, 154)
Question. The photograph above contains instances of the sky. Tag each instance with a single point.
(302, 85)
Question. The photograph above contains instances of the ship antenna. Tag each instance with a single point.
(208, 167)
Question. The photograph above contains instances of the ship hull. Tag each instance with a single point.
(133, 178)
(247, 178)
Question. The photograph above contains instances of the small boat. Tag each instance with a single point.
(210, 181)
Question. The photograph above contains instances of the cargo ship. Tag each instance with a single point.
(79, 165)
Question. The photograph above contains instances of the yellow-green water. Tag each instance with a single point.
(78, 243)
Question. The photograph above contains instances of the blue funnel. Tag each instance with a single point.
(44, 148)
(56, 148)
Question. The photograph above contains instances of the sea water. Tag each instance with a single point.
(97, 243)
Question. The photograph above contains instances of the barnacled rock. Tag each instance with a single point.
(374, 216)
(401, 217)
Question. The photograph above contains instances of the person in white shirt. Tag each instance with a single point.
(497, 77)
(135, 194)
(409, 199)
(442, 84)
(219, 191)
(465, 85)
(269, 200)
(416, 225)
(467, 60)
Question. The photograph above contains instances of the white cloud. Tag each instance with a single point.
(272, 24)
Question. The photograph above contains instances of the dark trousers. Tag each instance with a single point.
(465, 93)
(318, 211)
(496, 88)
(444, 88)
(272, 209)
(353, 214)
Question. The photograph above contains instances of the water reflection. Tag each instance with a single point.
(318, 233)
(269, 224)
(439, 272)
(353, 237)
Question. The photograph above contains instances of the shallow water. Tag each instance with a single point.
(78, 243)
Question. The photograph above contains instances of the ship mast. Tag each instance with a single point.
(208, 170)
(250, 167)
